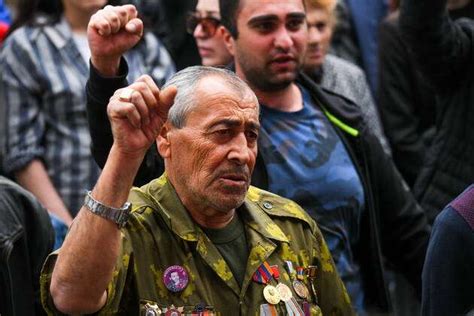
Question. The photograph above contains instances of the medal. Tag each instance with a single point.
(291, 305)
(311, 273)
(263, 274)
(300, 289)
(297, 277)
(172, 312)
(152, 309)
(289, 267)
(175, 278)
(300, 273)
(284, 291)
(271, 294)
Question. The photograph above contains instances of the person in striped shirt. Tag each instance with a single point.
(44, 66)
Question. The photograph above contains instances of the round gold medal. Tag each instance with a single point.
(300, 289)
(271, 294)
(284, 291)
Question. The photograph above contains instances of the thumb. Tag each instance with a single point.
(167, 96)
(135, 26)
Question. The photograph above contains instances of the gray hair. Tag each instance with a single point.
(186, 81)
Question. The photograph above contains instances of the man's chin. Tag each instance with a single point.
(278, 83)
(229, 201)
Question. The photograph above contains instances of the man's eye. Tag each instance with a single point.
(251, 135)
(265, 27)
(223, 132)
(294, 25)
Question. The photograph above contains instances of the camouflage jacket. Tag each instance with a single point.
(160, 234)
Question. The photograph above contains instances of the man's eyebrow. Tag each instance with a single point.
(296, 15)
(273, 17)
(253, 125)
(235, 123)
(262, 18)
(226, 122)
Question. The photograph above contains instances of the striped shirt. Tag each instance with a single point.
(43, 78)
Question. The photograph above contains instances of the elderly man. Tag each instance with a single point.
(198, 238)
(314, 147)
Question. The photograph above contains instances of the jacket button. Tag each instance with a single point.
(267, 205)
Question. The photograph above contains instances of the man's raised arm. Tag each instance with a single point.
(87, 258)
(442, 47)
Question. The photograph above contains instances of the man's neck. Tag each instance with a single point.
(212, 218)
(289, 99)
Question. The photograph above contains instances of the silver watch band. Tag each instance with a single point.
(117, 215)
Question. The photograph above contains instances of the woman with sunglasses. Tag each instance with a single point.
(204, 24)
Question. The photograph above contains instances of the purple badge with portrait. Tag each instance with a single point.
(175, 278)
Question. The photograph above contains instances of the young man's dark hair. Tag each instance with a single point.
(229, 10)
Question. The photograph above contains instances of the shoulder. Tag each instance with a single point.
(276, 206)
(141, 198)
(464, 206)
(346, 67)
(21, 38)
(342, 110)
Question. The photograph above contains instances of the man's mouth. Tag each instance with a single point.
(235, 177)
(283, 59)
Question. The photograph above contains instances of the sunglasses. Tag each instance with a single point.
(208, 24)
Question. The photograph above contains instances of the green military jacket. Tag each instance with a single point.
(160, 234)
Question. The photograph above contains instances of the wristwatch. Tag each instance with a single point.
(117, 215)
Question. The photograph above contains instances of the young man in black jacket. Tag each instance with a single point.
(313, 148)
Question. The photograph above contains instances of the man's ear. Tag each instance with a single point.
(228, 39)
(163, 142)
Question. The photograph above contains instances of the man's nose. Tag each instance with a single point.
(283, 39)
(240, 151)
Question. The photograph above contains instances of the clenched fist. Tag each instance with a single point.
(111, 32)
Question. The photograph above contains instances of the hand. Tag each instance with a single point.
(111, 32)
(137, 114)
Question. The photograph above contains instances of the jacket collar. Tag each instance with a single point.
(261, 230)
(164, 199)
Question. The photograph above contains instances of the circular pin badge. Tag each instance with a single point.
(151, 312)
(284, 291)
(172, 312)
(300, 289)
(271, 294)
(175, 278)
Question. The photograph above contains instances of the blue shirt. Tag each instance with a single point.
(311, 166)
